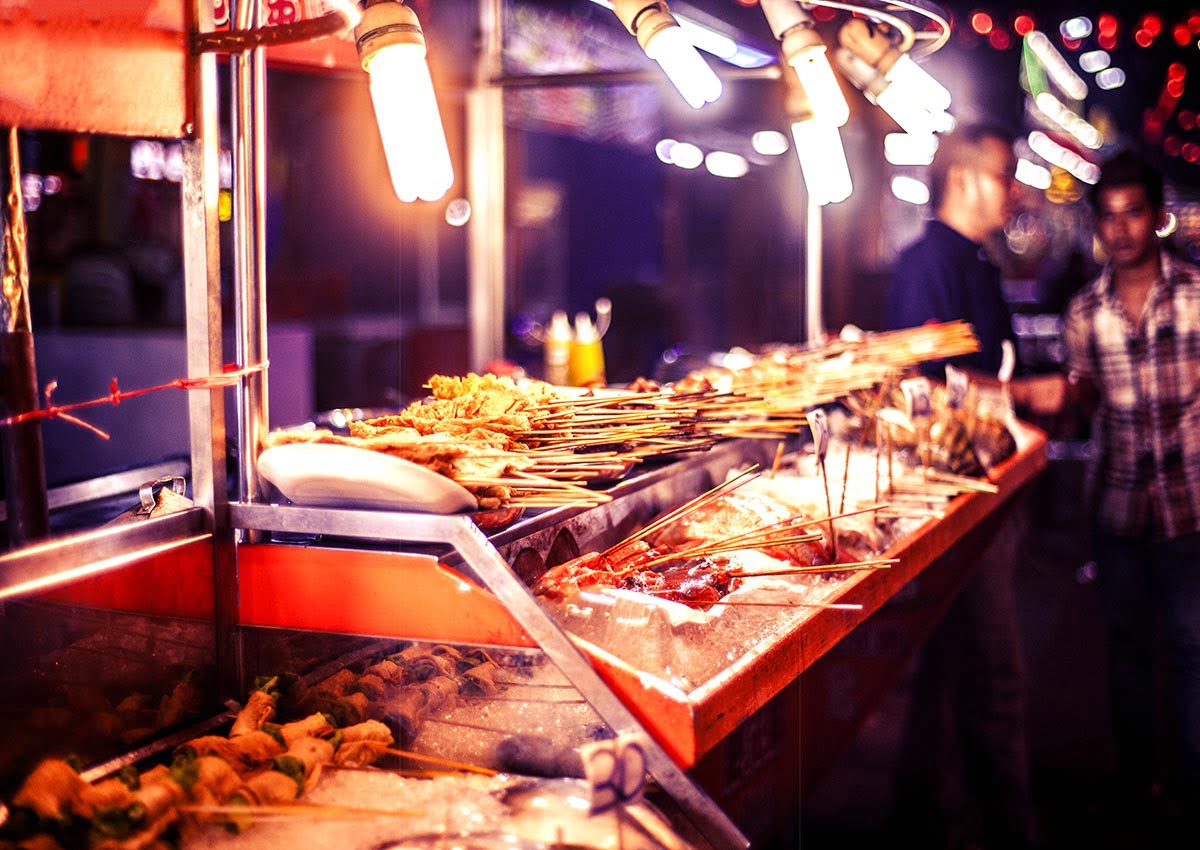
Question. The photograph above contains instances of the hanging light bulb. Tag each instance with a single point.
(391, 47)
(666, 43)
(891, 79)
(913, 118)
(804, 50)
(819, 147)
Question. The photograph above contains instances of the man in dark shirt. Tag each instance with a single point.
(947, 275)
(967, 715)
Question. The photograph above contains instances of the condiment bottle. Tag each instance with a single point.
(586, 362)
(556, 348)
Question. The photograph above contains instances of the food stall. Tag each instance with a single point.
(180, 605)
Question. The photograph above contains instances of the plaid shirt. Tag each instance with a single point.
(1145, 475)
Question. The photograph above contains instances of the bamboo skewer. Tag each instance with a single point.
(726, 486)
(305, 811)
(836, 606)
(456, 765)
(880, 563)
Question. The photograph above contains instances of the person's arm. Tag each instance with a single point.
(1082, 392)
(1043, 395)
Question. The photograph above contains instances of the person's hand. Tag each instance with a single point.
(1042, 395)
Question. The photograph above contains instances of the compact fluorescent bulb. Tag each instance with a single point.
(816, 76)
(912, 117)
(666, 43)
(908, 75)
(804, 50)
(899, 78)
(391, 48)
(684, 66)
(822, 160)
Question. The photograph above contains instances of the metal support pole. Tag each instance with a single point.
(21, 445)
(202, 298)
(814, 322)
(485, 186)
(248, 131)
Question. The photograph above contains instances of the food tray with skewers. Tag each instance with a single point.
(482, 442)
(341, 757)
(691, 714)
(770, 619)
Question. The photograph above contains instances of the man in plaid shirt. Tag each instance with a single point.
(1133, 348)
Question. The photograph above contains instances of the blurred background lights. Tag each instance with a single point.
(981, 22)
(663, 150)
(910, 189)
(1095, 60)
(1023, 25)
(1076, 28)
(909, 149)
(1065, 158)
(1056, 66)
(686, 155)
(1032, 174)
(31, 191)
(458, 212)
(769, 142)
(1110, 78)
(726, 164)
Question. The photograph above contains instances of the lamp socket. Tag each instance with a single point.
(384, 24)
(870, 44)
(643, 19)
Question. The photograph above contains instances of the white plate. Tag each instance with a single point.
(330, 475)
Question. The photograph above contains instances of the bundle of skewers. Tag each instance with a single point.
(690, 555)
(262, 768)
(530, 444)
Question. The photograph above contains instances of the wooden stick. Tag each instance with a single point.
(829, 508)
(456, 765)
(308, 811)
(852, 566)
(846, 479)
(836, 606)
(724, 487)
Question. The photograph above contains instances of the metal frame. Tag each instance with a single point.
(47, 565)
(105, 487)
(466, 539)
(61, 561)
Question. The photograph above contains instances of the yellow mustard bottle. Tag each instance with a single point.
(585, 365)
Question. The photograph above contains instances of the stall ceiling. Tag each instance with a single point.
(70, 66)
(118, 67)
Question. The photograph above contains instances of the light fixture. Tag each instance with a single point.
(769, 143)
(907, 149)
(1110, 78)
(391, 47)
(819, 148)
(1094, 60)
(910, 190)
(1056, 66)
(686, 155)
(665, 42)
(726, 164)
(890, 78)
(1065, 158)
(805, 51)
(663, 148)
(1032, 174)
(710, 40)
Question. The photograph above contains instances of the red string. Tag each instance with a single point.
(230, 374)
